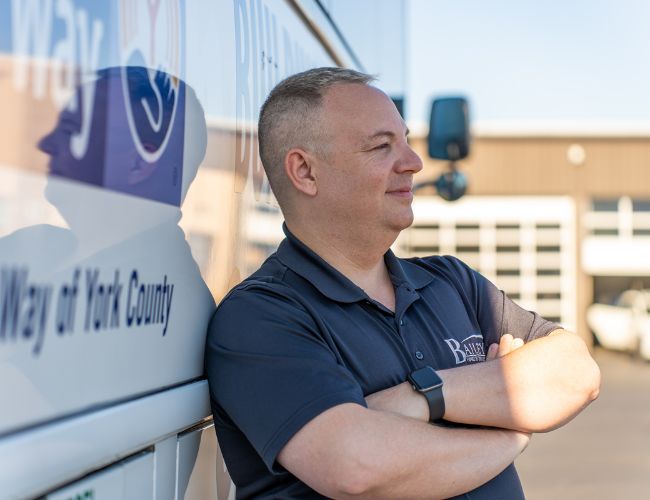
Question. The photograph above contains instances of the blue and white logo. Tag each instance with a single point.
(151, 38)
(469, 350)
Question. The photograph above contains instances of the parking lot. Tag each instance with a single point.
(605, 452)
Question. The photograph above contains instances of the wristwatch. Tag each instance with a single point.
(428, 383)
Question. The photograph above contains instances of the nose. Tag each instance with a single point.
(47, 144)
(409, 160)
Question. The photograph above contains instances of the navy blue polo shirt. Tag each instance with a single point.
(297, 338)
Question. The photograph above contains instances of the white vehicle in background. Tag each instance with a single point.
(624, 325)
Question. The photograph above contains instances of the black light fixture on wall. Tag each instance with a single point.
(449, 139)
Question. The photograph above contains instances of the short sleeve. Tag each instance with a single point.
(270, 368)
(496, 313)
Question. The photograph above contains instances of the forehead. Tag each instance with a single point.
(356, 111)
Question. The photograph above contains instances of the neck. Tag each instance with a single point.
(357, 257)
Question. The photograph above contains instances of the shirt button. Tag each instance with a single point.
(401, 322)
(419, 355)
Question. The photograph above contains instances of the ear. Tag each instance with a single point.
(300, 168)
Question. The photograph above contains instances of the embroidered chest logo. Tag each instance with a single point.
(470, 350)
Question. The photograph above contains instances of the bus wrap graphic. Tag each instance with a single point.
(151, 38)
(151, 55)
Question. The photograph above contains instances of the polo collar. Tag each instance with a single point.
(405, 272)
(302, 260)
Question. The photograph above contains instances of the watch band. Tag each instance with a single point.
(436, 403)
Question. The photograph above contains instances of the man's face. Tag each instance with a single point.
(367, 177)
(87, 167)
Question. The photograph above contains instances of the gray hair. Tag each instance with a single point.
(288, 118)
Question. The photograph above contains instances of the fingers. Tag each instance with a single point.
(506, 345)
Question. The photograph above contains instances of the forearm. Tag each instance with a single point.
(425, 461)
(373, 454)
(535, 388)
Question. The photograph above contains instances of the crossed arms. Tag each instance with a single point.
(388, 450)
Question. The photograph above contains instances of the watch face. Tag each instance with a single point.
(425, 379)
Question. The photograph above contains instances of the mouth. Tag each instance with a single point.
(405, 192)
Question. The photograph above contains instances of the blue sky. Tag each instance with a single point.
(531, 60)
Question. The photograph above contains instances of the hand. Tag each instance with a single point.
(505, 346)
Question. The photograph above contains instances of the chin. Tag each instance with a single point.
(401, 223)
(407, 218)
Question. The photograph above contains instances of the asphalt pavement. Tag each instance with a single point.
(604, 453)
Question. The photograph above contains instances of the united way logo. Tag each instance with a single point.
(151, 41)
(469, 350)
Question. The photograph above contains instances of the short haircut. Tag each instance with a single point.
(288, 118)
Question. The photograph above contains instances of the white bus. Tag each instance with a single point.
(131, 199)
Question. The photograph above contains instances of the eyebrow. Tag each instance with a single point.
(383, 133)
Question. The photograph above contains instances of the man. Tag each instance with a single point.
(313, 360)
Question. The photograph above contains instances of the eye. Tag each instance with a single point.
(383, 145)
